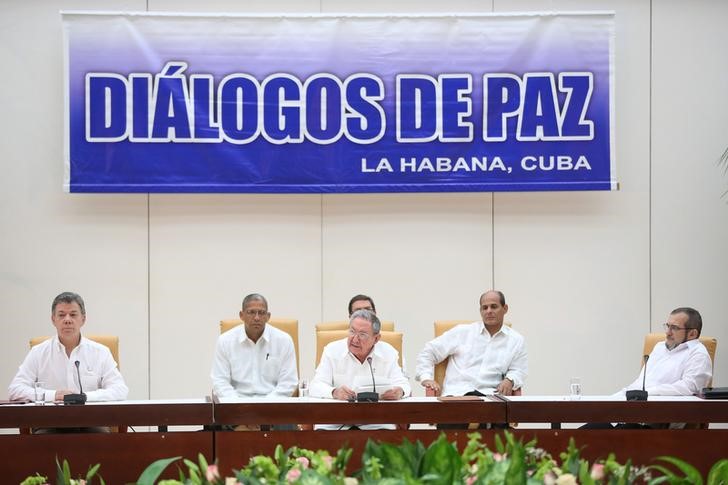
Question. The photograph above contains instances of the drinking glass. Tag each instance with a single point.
(39, 390)
(575, 388)
(303, 388)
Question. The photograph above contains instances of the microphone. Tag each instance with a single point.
(76, 398)
(369, 396)
(636, 394)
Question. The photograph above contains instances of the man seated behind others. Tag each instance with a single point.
(361, 302)
(53, 361)
(254, 359)
(678, 366)
(354, 359)
(485, 357)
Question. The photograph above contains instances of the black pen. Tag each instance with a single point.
(266, 356)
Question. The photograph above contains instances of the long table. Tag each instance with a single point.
(124, 455)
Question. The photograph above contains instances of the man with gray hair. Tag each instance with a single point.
(254, 359)
(60, 361)
(353, 360)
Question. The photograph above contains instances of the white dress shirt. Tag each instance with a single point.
(243, 368)
(47, 362)
(682, 371)
(477, 360)
(339, 367)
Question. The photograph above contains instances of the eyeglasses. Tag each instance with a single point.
(362, 335)
(674, 328)
(252, 313)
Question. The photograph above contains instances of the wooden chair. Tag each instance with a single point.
(325, 337)
(710, 343)
(288, 325)
(110, 341)
(344, 325)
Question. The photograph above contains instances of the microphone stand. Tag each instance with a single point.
(76, 398)
(637, 394)
(369, 396)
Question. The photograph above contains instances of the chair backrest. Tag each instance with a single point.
(111, 341)
(327, 336)
(651, 339)
(442, 326)
(288, 325)
(344, 325)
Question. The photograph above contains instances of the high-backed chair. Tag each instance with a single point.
(651, 339)
(288, 325)
(325, 337)
(710, 343)
(110, 341)
(344, 325)
(442, 326)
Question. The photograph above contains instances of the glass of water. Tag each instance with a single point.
(575, 388)
(303, 388)
(39, 390)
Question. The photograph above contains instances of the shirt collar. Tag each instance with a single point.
(265, 336)
(505, 329)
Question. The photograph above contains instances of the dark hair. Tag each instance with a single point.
(500, 294)
(694, 319)
(69, 297)
(370, 317)
(255, 297)
(356, 298)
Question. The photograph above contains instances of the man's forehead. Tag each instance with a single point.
(68, 307)
(361, 323)
(679, 317)
(490, 298)
(256, 304)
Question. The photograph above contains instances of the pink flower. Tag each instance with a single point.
(328, 461)
(212, 473)
(470, 480)
(497, 457)
(597, 471)
(303, 461)
(293, 475)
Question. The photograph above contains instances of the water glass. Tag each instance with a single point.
(575, 388)
(39, 390)
(303, 388)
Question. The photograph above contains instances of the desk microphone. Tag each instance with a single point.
(636, 394)
(369, 396)
(76, 398)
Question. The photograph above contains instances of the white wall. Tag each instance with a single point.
(586, 274)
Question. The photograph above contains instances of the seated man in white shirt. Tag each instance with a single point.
(351, 361)
(485, 357)
(254, 359)
(679, 366)
(58, 361)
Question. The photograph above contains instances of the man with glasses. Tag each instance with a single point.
(679, 366)
(254, 359)
(357, 360)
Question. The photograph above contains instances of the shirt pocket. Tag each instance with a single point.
(90, 380)
(271, 369)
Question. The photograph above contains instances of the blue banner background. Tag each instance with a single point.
(384, 46)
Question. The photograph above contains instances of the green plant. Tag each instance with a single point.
(512, 462)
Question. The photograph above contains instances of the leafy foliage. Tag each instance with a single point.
(513, 462)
